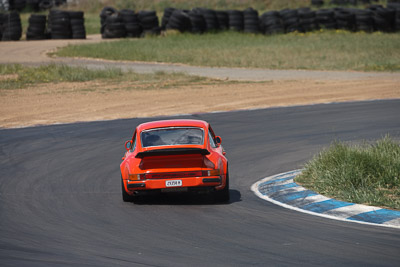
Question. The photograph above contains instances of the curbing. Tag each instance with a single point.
(280, 189)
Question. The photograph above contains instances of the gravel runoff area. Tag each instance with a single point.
(96, 100)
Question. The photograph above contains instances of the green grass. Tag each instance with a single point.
(14, 76)
(365, 174)
(322, 50)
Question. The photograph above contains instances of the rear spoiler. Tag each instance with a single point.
(172, 151)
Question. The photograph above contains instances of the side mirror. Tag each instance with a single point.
(128, 145)
(218, 140)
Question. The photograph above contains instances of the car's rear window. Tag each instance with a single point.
(172, 136)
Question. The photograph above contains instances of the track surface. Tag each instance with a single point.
(60, 200)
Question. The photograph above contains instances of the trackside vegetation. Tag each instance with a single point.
(15, 76)
(18, 76)
(365, 174)
(321, 50)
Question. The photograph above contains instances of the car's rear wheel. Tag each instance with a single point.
(223, 195)
(125, 196)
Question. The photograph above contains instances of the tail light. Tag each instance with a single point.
(212, 173)
(172, 175)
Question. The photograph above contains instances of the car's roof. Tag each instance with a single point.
(172, 123)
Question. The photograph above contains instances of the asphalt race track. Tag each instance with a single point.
(60, 199)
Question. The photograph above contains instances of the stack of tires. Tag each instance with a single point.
(317, 3)
(33, 4)
(114, 27)
(131, 22)
(345, 19)
(364, 20)
(197, 22)
(271, 23)
(45, 4)
(11, 28)
(326, 19)
(223, 20)
(396, 7)
(106, 12)
(397, 21)
(77, 21)
(165, 19)
(290, 20)
(179, 20)
(17, 4)
(210, 17)
(59, 24)
(236, 21)
(149, 22)
(112, 24)
(1, 24)
(307, 20)
(37, 27)
(384, 19)
(251, 21)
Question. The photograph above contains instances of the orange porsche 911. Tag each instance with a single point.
(171, 156)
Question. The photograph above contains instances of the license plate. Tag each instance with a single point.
(173, 183)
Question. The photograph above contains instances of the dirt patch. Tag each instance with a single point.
(89, 101)
(5, 77)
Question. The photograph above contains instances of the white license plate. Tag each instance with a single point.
(173, 183)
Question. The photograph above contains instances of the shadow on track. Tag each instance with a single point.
(185, 199)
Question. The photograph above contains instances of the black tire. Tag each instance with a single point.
(125, 196)
(223, 195)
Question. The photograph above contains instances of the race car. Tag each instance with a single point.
(172, 156)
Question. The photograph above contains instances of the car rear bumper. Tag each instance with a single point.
(153, 184)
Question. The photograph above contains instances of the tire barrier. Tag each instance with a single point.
(179, 20)
(165, 19)
(131, 22)
(11, 29)
(307, 20)
(364, 20)
(77, 22)
(36, 5)
(210, 17)
(127, 23)
(326, 19)
(345, 19)
(60, 25)
(290, 20)
(251, 21)
(200, 20)
(236, 20)
(17, 5)
(149, 22)
(114, 27)
(271, 23)
(223, 20)
(37, 27)
(317, 3)
(197, 22)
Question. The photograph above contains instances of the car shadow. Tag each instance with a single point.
(186, 199)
